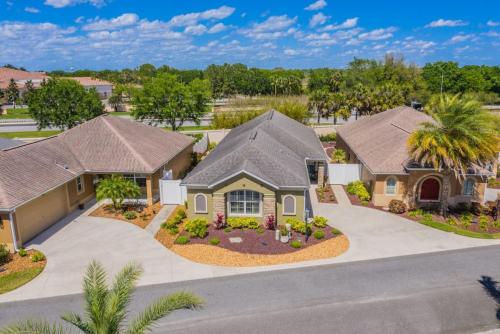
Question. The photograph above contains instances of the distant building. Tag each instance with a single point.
(20, 77)
(104, 88)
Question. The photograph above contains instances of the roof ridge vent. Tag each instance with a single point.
(270, 115)
(253, 136)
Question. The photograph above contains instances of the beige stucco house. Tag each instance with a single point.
(42, 182)
(378, 144)
(261, 168)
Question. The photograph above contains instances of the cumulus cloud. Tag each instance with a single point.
(193, 18)
(377, 34)
(491, 23)
(446, 23)
(347, 24)
(198, 29)
(66, 3)
(217, 28)
(461, 38)
(318, 19)
(32, 10)
(121, 21)
(271, 28)
(316, 5)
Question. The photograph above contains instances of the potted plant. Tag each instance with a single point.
(284, 234)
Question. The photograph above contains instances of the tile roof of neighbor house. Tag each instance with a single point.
(8, 143)
(271, 147)
(379, 141)
(89, 81)
(8, 73)
(104, 144)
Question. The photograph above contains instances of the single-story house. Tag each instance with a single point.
(20, 77)
(41, 182)
(104, 88)
(378, 144)
(261, 168)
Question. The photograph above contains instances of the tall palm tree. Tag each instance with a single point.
(461, 135)
(106, 307)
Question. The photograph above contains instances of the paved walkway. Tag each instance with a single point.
(155, 224)
(340, 195)
(76, 240)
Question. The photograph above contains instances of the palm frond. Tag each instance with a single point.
(95, 293)
(75, 320)
(162, 307)
(33, 327)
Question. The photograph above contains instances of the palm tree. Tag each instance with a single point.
(106, 307)
(461, 135)
(117, 189)
(318, 100)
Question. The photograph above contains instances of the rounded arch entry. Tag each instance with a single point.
(430, 189)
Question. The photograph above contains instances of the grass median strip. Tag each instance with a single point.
(14, 280)
(453, 229)
(29, 134)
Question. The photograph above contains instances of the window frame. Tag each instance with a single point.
(294, 206)
(245, 213)
(196, 205)
(472, 188)
(133, 177)
(80, 184)
(395, 186)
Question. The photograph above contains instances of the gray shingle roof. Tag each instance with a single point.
(380, 141)
(8, 143)
(103, 145)
(272, 147)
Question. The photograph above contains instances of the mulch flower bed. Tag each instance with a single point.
(326, 195)
(144, 214)
(356, 201)
(18, 263)
(329, 147)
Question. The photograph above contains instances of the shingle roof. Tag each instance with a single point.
(271, 147)
(103, 145)
(379, 141)
(8, 143)
(8, 73)
(89, 81)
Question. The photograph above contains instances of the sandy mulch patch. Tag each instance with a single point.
(214, 255)
(18, 263)
(143, 218)
(327, 196)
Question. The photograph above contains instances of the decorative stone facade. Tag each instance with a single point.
(269, 206)
(219, 205)
(321, 174)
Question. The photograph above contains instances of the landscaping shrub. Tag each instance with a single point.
(197, 228)
(320, 221)
(319, 234)
(228, 229)
(296, 244)
(416, 213)
(427, 219)
(130, 215)
(181, 240)
(496, 223)
(219, 222)
(4, 253)
(358, 188)
(182, 214)
(336, 232)
(260, 230)
(283, 230)
(243, 222)
(466, 219)
(297, 225)
(270, 222)
(483, 222)
(215, 241)
(397, 206)
(22, 252)
(338, 156)
(332, 136)
(37, 256)
(451, 221)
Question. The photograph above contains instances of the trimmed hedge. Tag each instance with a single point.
(297, 225)
(320, 221)
(197, 228)
(358, 188)
(243, 222)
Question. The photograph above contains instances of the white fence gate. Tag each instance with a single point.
(343, 173)
(491, 194)
(171, 192)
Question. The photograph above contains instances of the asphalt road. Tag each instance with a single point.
(430, 293)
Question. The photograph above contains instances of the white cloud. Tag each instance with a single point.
(491, 23)
(198, 29)
(291, 52)
(32, 10)
(217, 28)
(318, 19)
(316, 5)
(446, 23)
(121, 21)
(347, 24)
(66, 3)
(377, 34)
(193, 18)
(460, 38)
(272, 28)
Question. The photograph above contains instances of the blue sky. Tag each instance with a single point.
(98, 34)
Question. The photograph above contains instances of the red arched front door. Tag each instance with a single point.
(430, 189)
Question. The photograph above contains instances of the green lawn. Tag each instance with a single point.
(457, 230)
(121, 113)
(192, 128)
(16, 113)
(29, 134)
(12, 281)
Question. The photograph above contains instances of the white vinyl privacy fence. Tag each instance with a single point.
(343, 173)
(171, 192)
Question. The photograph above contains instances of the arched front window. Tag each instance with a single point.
(244, 202)
(390, 186)
(469, 187)
(200, 203)
(289, 205)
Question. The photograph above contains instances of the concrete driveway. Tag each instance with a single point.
(76, 240)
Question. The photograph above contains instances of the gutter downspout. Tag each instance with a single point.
(13, 231)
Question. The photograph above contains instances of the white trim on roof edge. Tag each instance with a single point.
(243, 172)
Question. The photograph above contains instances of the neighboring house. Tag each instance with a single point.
(103, 88)
(20, 77)
(43, 181)
(379, 144)
(260, 168)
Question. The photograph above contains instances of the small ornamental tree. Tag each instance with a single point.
(219, 222)
(338, 156)
(116, 188)
(270, 222)
(12, 92)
